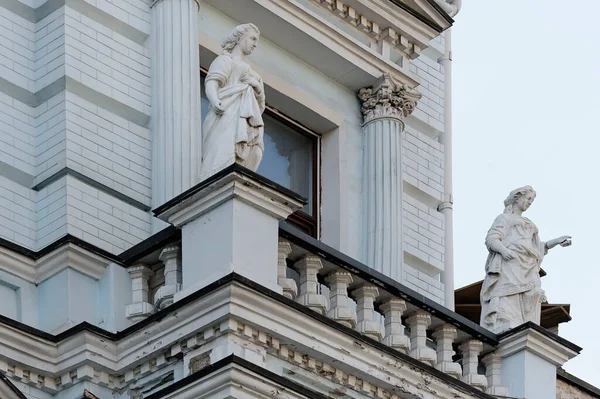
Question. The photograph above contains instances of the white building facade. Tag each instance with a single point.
(329, 272)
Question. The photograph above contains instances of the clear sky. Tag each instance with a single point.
(526, 82)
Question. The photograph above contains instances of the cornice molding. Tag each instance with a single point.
(231, 372)
(393, 21)
(67, 255)
(555, 350)
(235, 306)
(234, 181)
(73, 257)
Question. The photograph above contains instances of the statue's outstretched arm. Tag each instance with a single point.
(563, 241)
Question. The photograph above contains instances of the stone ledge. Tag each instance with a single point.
(235, 370)
(235, 297)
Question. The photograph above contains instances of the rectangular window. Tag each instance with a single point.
(290, 159)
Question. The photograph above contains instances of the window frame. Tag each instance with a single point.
(308, 223)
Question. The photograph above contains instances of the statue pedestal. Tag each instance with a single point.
(530, 355)
(230, 223)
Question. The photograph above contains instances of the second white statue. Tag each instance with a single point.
(512, 291)
(233, 129)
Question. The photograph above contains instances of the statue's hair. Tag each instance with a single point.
(236, 35)
(515, 195)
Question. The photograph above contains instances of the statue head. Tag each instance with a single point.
(521, 197)
(246, 36)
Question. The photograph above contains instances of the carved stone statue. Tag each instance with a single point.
(512, 293)
(233, 129)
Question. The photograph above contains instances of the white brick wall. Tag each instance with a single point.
(108, 149)
(107, 62)
(423, 232)
(17, 213)
(103, 220)
(430, 74)
(135, 13)
(424, 284)
(423, 170)
(17, 47)
(50, 137)
(17, 134)
(423, 162)
(70, 129)
(69, 206)
(51, 213)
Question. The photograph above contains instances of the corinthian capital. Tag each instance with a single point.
(388, 99)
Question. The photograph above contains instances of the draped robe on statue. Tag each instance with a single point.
(511, 293)
(237, 134)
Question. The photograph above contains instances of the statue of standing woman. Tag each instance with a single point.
(512, 292)
(233, 129)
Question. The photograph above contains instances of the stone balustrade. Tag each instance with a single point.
(385, 311)
(357, 297)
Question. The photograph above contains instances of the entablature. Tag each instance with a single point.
(374, 37)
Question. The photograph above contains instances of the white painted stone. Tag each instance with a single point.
(392, 309)
(114, 293)
(470, 362)
(512, 291)
(290, 289)
(176, 144)
(493, 372)
(233, 129)
(171, 258)
(140, 306)
(529, 362)
(444, 337)
(418, 323)
(365, 311)
(338, 298)
(66, 299)
(310, 290)
(219, 216)
(384, 107)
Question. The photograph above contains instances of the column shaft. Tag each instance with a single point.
(385, 105)
(176, 141)
(383, 195)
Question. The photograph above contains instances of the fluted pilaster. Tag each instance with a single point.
(384, 107)
(176, 141)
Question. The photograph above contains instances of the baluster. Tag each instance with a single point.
(493, 369)
(418, 322)
(140, 306)
(470, 362)
(338, 298)
(290, 289)
(444, 337)
(392, 309)
(310, 291)
(365, 309)
(171, 258)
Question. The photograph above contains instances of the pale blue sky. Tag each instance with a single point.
(526, 108)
